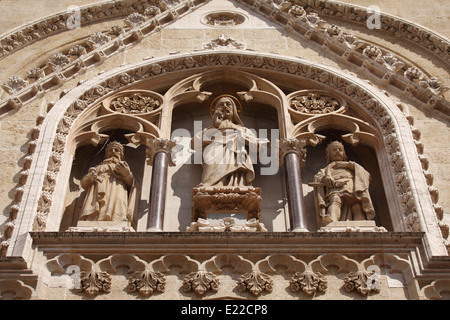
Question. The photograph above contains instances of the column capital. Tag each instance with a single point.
(293, 145)
(156, 145)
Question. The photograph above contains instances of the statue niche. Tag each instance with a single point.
(110, 191)
(341, 191)
(226, 185)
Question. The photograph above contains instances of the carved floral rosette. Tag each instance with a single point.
(223, 19)
(134, 102)
(308, 103)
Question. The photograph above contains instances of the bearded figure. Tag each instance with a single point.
(110, 188)
(342, 188)
(226, 161)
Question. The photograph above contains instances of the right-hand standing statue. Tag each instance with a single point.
(342, 188)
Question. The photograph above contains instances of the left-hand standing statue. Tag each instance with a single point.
(110, 188)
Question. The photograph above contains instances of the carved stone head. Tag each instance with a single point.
(224, 108)
(335, 152)
(115, 149)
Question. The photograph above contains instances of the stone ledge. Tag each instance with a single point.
(235, 242)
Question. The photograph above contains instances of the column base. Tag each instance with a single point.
(300, 229)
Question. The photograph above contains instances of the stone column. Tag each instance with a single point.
(159, 156)
(292, 156)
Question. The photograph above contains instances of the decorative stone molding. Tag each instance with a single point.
(256, 282)
(146, 282)
(361, 282)
(258, 273)
(224, 42)
(15, 290)
(200, 282)
(309, 282)
(227, 199)
(97, 40)
(313, 103)
(95, 282)
(134, 20)
(14, 84)
(135, 104)
(355, 48)
(226, 225)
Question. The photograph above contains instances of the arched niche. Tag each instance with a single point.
(128, 117)
(262, 110)
(410, 204)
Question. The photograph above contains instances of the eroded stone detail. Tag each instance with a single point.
(256, 282)
(200, 282)
(95, 282)
(308, 282)
(146, 282)
(313, 103)
(134, 104)
(361, 282)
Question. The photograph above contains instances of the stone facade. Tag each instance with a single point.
(300, 74)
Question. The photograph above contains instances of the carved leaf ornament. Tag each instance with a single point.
(135, 104)
(146, 282)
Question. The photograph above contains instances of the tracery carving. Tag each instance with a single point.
(313, 103)
(134, 104)
(363, 277)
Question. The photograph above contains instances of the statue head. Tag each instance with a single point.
(335, 152)
(224, 107)
(115, 149)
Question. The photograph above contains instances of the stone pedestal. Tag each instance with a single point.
(102, 226)
(352, 226)
(217, 209)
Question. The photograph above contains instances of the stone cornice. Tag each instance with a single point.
(235, 242)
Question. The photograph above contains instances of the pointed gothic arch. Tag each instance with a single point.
(410, 204)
